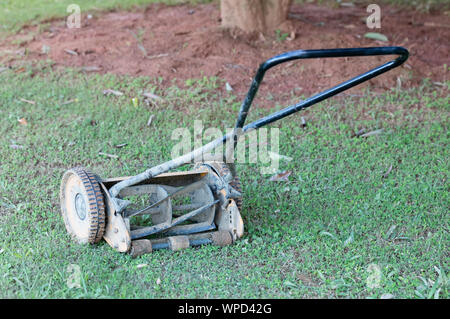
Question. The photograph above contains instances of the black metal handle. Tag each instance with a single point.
(310, 54)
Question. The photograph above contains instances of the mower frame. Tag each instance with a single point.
(212, 188)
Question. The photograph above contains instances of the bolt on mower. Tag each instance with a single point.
(186, 208)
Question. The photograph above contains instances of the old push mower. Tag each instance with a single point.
(190, 208)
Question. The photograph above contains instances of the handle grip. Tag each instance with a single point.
(311, 54)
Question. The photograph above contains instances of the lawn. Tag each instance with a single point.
(358, 218)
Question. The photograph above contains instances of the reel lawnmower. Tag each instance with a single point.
(189, 208)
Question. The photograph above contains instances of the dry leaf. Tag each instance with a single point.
(23, 121)
(19, 70)
(376, 36)
(291, 36)
(281, 177)
(108, 155)
(112, 92)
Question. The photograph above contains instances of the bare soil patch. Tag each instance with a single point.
(186, 41)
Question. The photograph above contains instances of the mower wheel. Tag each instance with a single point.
(82, 206)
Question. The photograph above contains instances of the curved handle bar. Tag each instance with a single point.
(310, 54)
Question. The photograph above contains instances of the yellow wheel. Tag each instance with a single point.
(82, 206)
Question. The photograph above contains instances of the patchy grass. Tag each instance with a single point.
(16, 13)
(325, 233)
(420, 5)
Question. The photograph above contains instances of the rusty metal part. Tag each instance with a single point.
(233, 180)
(230, 220)
(117, 231)
(191, 185)
(175, 179)
(150, 230)
(140, 247)
(174, 243)
(82, 206)
(178, 242)
(221, 238)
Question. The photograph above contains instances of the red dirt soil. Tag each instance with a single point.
(186, 41)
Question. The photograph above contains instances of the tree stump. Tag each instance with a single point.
(254, 15)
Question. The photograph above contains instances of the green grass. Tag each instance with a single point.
(319, 235)
(420, 5)
(16, 13)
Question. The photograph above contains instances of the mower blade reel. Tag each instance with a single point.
(147, 231)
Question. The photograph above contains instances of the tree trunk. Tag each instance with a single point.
(254, 15)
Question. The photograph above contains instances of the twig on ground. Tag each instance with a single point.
(108, 155)
(69, 101)
(388, 171)
(152, 96)
(112, 92)
(150, 119)
(28, 101)
(376, 132)
(71, 52)
(91, 68)
(156, 56)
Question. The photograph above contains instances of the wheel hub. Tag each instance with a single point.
(80, 206)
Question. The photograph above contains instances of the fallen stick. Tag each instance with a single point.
(71, 52)
(28, 101)
(157, 56)
(108, 155)
(376, 132)
(113, 92)
(150, 119)
(388, 171)
(69, 102)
